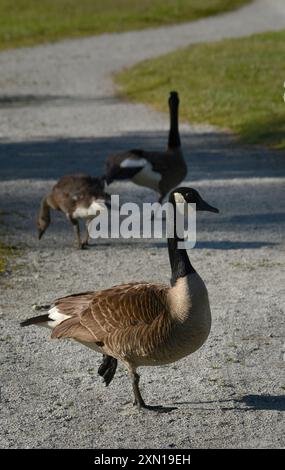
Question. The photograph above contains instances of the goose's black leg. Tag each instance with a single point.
(160, 201)
(108, 368)
(86, 238)
(154, 214)
(76, 229)
(139, 401)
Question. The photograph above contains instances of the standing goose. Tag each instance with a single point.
(78, 197)
(140, 324)
(160, 171)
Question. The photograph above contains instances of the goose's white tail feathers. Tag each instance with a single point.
(49, 320)
(55, 318)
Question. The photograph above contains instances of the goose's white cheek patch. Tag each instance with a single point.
(179, 198)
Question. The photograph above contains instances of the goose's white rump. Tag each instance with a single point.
(55, 318)
(95, 208)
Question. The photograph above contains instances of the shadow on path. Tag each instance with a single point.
(232, 245)
(208, 155)
(251, 402)
(32, 100)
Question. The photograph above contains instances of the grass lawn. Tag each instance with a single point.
(235, 84)
(29, 22)
(8, 253)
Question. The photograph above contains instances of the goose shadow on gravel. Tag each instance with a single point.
(252, 402)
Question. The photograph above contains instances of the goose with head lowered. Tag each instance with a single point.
(78, 197)
(143, 323)
(160, 171)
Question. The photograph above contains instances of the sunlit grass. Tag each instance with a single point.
(29, 22)
(8, 253)
(235, 84)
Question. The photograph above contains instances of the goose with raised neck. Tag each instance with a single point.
(140, 323)
(161, 171)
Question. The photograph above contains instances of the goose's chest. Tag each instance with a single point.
(190, 310)
(147, 177)
(190, 323)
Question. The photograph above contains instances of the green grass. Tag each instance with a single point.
(29, 22)
(8, 253)
(235, 84)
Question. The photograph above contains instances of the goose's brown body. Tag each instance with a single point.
(140, 324)
(75, 191)
(77, 196)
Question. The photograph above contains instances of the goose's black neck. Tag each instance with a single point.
(179, 261)
(173, 136)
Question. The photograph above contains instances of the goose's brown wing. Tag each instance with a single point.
(74, 305)
(78, 186)
(105, 316)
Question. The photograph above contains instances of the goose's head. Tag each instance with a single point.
(186, 195)
(173, 99)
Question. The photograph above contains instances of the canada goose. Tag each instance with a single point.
(79, 197)
(140, 324)
(160, 171)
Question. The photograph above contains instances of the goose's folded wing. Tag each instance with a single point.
(125, 165)
(74, 305)
(94, 319)
(79, 186)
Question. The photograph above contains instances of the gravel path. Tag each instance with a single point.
(59, 115)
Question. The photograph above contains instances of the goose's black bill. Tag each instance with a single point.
(204, 206)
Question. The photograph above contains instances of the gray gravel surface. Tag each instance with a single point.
(59, 115)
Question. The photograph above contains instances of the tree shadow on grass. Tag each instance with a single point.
(270, 131)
